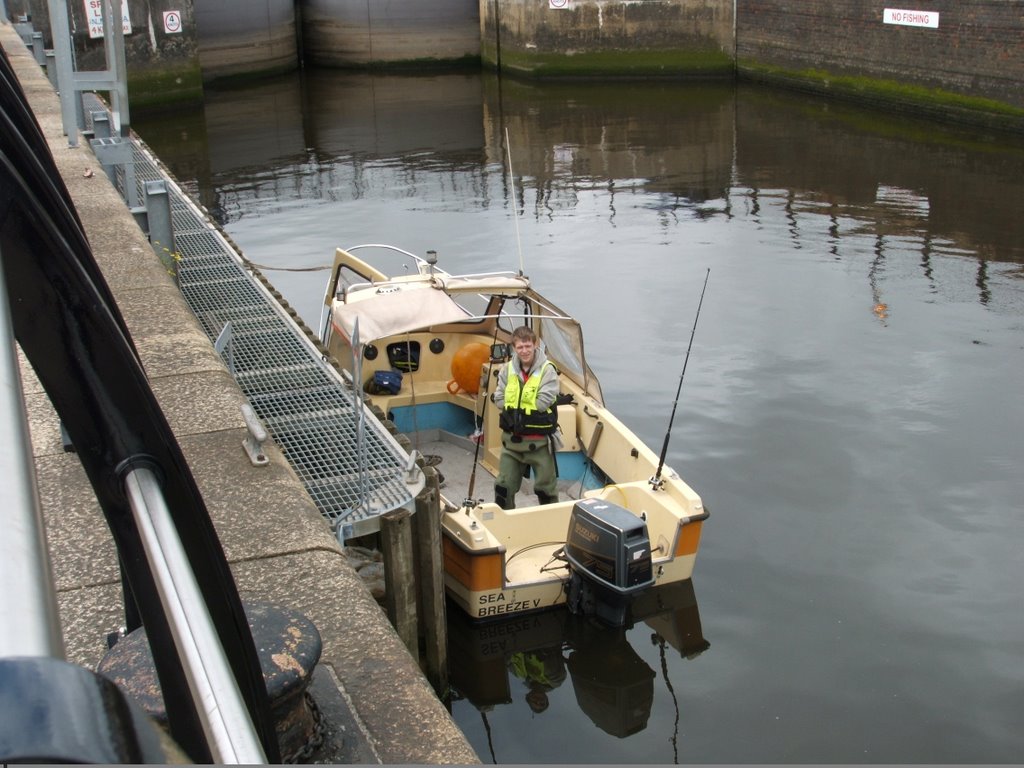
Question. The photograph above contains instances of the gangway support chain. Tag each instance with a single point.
(70, 329)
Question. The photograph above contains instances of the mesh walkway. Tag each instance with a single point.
(306, 406)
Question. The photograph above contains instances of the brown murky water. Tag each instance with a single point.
(850, 411)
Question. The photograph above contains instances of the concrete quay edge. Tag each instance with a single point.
(280, 548)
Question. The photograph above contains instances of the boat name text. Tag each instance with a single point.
(496, 604)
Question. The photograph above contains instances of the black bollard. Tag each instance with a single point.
(289, 647)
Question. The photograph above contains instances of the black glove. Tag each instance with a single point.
(565, 398)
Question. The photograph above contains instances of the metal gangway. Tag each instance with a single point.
(351, 465)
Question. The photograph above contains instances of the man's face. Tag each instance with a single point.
(524, 351)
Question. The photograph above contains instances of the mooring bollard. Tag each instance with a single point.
(400, 577)
(289, 648)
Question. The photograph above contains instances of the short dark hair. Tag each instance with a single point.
(524, 333)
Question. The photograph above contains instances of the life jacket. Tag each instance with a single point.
(521, 416)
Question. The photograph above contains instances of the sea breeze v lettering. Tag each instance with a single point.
(905, 18)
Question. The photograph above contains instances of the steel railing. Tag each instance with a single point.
(178, 583)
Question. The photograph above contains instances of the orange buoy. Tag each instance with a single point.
(466, 366)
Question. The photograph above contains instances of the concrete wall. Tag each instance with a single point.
(671, 38)
(360, 33)
(974, 58)
(255, 38)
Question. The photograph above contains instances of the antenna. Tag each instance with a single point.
(515, 214)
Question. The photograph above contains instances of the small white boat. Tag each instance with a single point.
(426, 347)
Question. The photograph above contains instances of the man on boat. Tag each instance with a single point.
(525, 396)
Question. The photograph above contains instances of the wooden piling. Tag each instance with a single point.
(400, 577)
(430, 579)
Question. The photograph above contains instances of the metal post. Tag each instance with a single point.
(113, 44)
(158, 215)
(38, 49)
(51, 68)
(100, 124)
(111, 154)
(223, 346)
(28, 604)
(229, 731)
(61, 31)
(70, 83)
(24, 29)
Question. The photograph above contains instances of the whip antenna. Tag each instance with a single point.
(515, 213)
(656, 480)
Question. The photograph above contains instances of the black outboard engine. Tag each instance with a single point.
(609, 554)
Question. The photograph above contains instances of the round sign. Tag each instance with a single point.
(172, 22)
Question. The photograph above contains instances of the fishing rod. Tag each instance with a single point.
(656, 481)
(515, 204)
(469, 502)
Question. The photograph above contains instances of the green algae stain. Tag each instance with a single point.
(618, 63)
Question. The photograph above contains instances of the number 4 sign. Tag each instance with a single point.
(172, 22)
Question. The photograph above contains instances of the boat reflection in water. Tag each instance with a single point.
(530, 656)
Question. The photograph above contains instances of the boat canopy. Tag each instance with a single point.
(417, 302)
(396, 311)
(404, 305)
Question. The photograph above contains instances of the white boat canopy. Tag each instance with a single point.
(400, 306)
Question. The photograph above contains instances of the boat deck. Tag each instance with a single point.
(524, 565)
(456, 455)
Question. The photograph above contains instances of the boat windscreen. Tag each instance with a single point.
(563, 344)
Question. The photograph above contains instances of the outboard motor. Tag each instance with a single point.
(609, 554)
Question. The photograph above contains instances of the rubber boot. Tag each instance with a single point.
(501, 498)
(543, 498)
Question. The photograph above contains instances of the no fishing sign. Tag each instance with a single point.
(929, 19)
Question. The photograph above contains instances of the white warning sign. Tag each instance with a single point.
(94, 17)
(904, 18)
(172, 22)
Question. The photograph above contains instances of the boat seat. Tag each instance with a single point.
(567, 425)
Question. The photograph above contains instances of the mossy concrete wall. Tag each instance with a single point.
(969, 66)
(595, 38)
(370, 33)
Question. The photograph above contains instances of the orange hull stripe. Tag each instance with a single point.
(476, 572)
(689, 539)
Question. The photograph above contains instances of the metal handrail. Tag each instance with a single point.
(28, 604)
(178, 582)
(222, 712)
